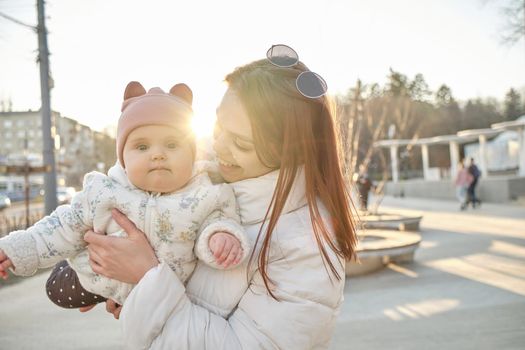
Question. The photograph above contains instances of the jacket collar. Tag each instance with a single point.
(254, 196)
(117, 173)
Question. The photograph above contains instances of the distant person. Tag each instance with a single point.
(463, 181)
(474, 171)
(157, 183)
(364, 185)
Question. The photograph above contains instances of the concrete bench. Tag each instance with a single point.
(390, 221)
(379, 247)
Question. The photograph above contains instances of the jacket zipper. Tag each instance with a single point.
(149, 217)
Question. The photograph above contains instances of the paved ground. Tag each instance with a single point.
(466, 290)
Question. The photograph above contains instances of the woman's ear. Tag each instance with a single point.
(183, 91)
(134, 89)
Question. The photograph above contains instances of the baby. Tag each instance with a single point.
(157, 185)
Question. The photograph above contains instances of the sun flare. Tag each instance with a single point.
(203, 127)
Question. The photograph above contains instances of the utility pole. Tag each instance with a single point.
(27, 185)
(48, 130)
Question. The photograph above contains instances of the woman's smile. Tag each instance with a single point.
(228, 169)
(227, 164)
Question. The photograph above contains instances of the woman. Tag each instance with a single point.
(278, 149)
(463, 181)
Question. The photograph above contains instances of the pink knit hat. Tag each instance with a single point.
(153, 108)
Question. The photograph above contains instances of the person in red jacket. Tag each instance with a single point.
(463, 181)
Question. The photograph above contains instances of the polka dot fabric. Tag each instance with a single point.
(64, 289)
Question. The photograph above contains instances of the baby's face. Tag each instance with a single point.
(158, 158)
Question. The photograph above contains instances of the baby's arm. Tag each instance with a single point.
(221, 241)
(50, 240)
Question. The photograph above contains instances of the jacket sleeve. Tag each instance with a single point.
(223, 217)
(158, 315)
(53, 238)
(171, 320)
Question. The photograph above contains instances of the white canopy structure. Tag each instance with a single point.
(464, 136)
(481, 135)
(519, 126)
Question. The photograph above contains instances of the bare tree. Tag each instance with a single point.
(515, 28)
(514, 13)
(362, 117)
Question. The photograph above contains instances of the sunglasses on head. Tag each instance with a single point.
(308, 83)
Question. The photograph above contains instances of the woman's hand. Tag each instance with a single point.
(125, 259)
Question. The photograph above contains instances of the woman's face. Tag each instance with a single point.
(234, 141)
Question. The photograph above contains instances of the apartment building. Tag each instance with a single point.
(78, 148)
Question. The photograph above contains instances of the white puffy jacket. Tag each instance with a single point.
(160, 313)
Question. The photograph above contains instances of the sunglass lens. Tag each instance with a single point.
(311, 85)
(282, 56)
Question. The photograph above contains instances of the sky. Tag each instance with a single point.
(98, 46)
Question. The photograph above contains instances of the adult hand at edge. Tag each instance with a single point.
(125, 259)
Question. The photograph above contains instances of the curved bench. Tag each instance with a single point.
(379, 247)
(391, 221)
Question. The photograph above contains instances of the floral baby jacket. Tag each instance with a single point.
(178, 225)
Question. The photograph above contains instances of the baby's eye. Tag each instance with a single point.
(172, 145)
(142, 147)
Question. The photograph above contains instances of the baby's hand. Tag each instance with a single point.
(226, 249)
(5, 263)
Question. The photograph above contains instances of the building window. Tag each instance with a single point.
(8, 123)
(20, 123)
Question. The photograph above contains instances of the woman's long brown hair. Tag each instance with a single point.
(290, 131)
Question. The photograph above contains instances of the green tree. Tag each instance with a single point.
(418, 88)
(480, 114)
(448, 113)
(397, 85)
(512, 105)
(443, 96)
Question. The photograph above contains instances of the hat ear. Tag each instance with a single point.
(134, 89)
(183, 91)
